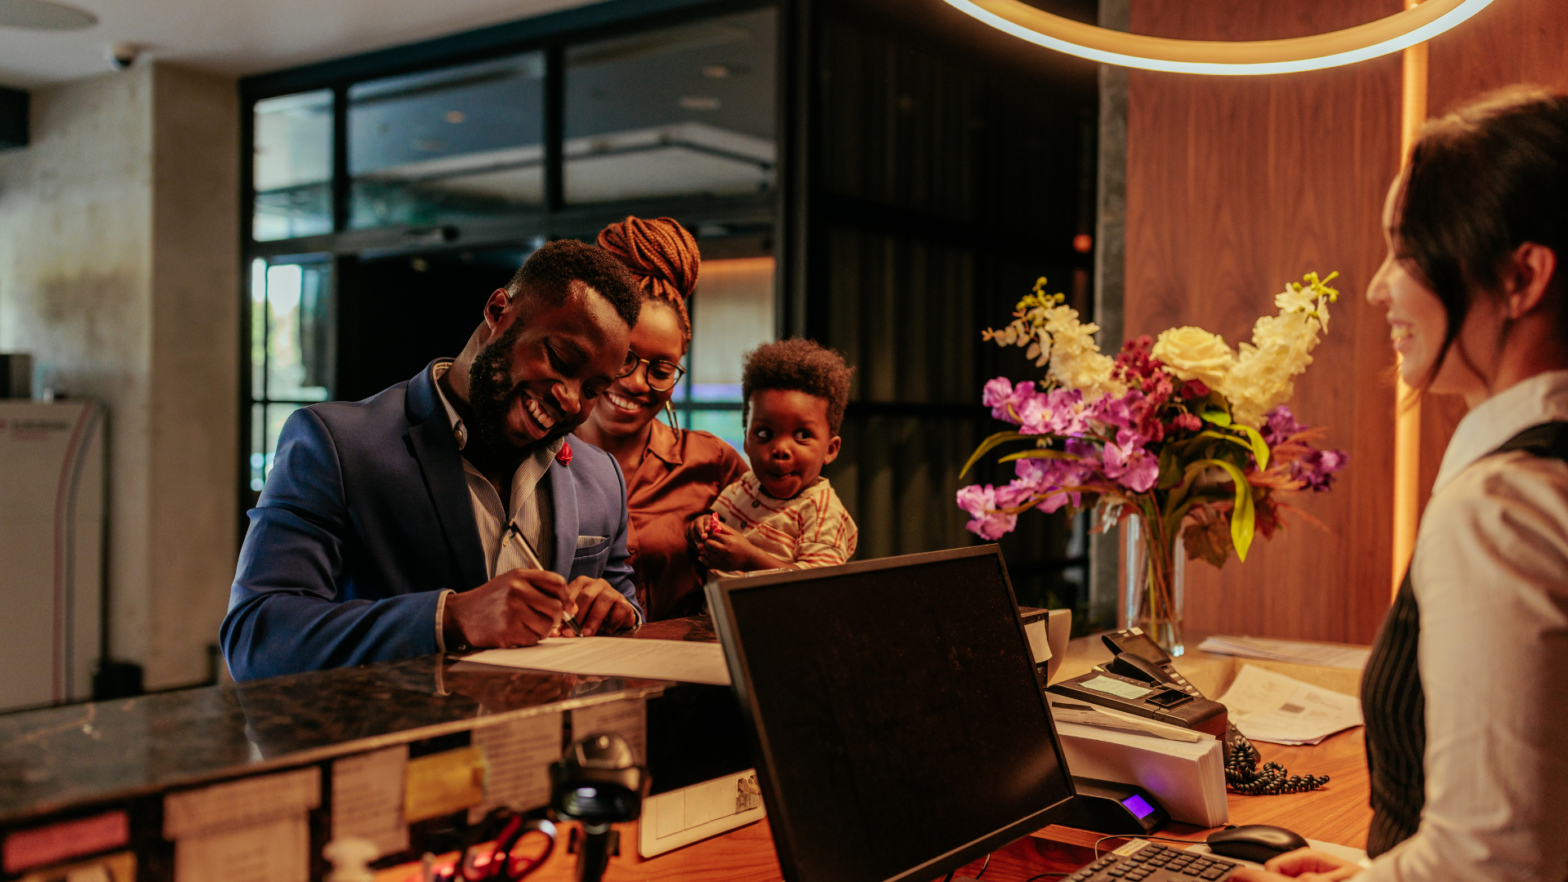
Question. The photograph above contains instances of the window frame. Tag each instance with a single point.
(750, 216)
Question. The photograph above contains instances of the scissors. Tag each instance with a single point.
(501, 863)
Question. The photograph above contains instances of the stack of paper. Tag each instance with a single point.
(1293, 651)
(1267, 706)
(1187, 777)
(616, 657)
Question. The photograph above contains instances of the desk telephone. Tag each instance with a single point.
(1142, 680)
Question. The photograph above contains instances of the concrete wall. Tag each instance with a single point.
(118, 271)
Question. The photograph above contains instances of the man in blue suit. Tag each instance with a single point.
(448, 512)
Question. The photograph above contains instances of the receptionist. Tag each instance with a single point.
(450, 510)
(1463, 693)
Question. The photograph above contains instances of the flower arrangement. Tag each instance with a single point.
(1191, 436)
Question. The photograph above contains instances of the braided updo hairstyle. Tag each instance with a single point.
(663, 257)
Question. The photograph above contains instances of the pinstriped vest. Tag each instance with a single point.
(1393, 702)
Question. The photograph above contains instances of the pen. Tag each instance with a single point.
(538, 564)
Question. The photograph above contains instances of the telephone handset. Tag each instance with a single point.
(1141, 681)
(1142, 659)
(1139, 658)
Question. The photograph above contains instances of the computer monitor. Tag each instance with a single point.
(899, 725)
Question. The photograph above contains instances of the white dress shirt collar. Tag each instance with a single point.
(1541, 399)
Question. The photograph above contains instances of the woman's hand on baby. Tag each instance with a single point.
(1306, 864)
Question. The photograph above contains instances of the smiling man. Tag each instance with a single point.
(448, 512)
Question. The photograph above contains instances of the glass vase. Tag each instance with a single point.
(1154, 586)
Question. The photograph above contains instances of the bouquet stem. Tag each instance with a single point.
(1153, 591)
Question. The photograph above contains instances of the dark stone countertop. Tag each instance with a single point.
(88, 753)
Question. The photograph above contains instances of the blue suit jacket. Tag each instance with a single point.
(366, 517)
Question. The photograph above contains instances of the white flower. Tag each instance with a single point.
(1194, 354)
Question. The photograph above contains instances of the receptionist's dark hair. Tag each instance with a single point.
(1484, 179)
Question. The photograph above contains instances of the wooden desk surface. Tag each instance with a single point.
(1338, 813)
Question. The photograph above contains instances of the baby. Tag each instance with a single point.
(783, 513)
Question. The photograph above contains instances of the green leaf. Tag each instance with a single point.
(1253, 443)
(1243, 518)
(1217, 416)
(1037, 454)
(1260, 449)
(1170, 469)
(990, 444)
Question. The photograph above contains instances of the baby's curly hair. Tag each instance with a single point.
(802, 366)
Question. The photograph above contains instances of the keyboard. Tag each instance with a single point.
(1144, 861)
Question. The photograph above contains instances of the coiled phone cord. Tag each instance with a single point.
(1244, 776)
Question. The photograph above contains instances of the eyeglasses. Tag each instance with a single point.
(661, 375)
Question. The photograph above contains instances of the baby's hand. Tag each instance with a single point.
(700, 527)
(727, 549)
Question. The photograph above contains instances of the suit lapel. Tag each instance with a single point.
(563, 494)
(430, 437)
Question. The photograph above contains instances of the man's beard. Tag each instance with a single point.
(491, 393)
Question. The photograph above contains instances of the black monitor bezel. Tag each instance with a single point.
(719, 604)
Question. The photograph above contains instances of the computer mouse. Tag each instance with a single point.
(1254, 842)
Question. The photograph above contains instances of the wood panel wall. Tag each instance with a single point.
(1236, 186)
(1511, 41)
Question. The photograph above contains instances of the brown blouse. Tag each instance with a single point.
(675, 481)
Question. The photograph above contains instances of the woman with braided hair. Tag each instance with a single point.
(671, 475)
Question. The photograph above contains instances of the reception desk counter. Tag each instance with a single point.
(110, 784)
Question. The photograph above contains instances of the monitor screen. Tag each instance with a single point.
(899, 725)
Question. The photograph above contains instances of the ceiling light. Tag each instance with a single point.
(1250, 58)
(42, 15)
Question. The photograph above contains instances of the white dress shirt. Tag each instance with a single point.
(530, 509)
(1490, 573)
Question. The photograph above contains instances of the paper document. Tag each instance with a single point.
(519, 754)
(1068, 711)
(1267, 706)
(617, 657)
(1298, 652)
(277, 851)
(367, 798)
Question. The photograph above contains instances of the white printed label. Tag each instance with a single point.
(367, 798)
(519, 754)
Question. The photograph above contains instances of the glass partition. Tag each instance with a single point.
(448, 145)
(731, 314)
(680, 111)
(292, 167)
(293, 348)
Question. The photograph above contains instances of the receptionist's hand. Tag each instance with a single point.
(599, 608)
(1304, 864)
(517, 608)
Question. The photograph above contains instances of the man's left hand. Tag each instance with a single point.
(599, 607)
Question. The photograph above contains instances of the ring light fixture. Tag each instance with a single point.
(1249, 58)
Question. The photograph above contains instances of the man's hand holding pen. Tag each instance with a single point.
(522, 607)
(516, 608)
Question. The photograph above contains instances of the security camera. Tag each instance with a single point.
(122, 55)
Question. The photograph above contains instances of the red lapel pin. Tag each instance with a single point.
(565, 455)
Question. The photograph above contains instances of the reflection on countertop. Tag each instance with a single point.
(101, 751)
